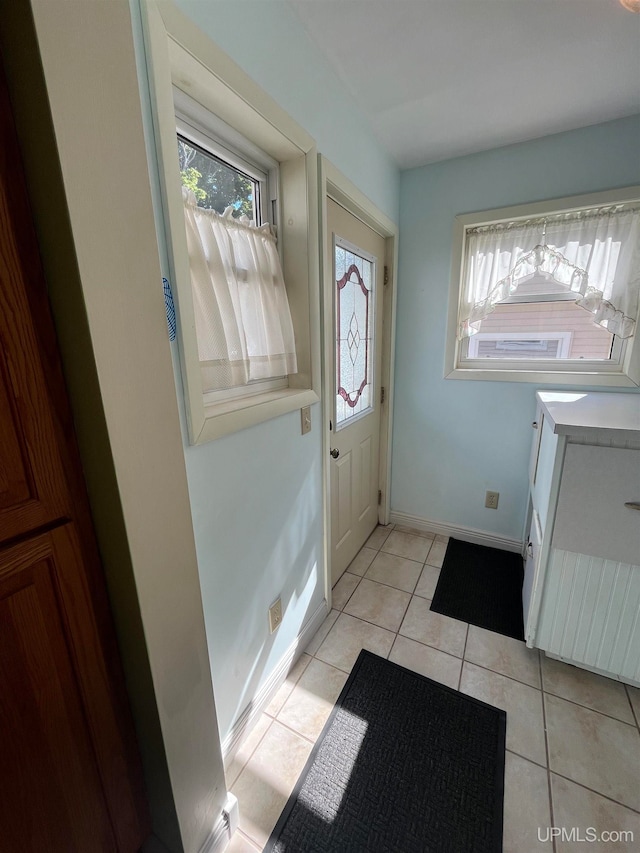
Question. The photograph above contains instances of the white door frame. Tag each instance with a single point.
(334, 185)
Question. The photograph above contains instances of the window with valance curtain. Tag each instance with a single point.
(594, 255)
(243, 321)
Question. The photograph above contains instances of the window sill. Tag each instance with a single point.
(233, 415)
(556, 377)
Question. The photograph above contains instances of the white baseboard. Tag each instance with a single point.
(224, 827)
(244, 722)
(467, 534)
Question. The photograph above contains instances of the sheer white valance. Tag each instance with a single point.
(243, 322)
(594, 255)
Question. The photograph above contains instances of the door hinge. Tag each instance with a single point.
(386, 275)
(379, 496)
(382, 396)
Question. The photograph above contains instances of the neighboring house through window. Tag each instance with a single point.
(548, 292)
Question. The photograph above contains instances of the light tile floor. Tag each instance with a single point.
(573, 742)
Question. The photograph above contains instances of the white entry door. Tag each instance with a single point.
(356, 253)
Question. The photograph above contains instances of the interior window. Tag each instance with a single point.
(556, 291)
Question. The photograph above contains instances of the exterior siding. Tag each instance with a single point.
(587, 339)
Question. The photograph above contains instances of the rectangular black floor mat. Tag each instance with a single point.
(403, 765)
(482, 586)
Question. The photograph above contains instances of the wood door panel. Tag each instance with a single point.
(30, 497)
(343, 497)
(68, 716)
(102, 708)
(32, 481)
(52, 798)
(14, 482)
(364, 481)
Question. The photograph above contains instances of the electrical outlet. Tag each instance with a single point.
(275, 615)
(491, 500)
(305, 419)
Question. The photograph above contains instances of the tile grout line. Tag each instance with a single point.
(299, 734)
(597, 793)
(382, 628)
(546, 747)
(384, 583)
(464, 652)
(527, 758)
(414, 532)
(401, 556)
(435, 649)
(251, 754)
(404, 615)
(360, 578)
(375, 624)
(633, 710)
(248, 839)
(587, 708)
(429, 551)
(504, 675)
(542, 690)
(272, 718)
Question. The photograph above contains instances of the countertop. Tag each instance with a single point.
(575, 412)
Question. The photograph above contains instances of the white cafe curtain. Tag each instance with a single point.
(595, 255)
(243, 321)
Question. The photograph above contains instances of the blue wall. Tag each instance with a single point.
(454, 439)
(268, 40)
(256, 495)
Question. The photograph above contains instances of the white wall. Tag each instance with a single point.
(454, 439)
(256, 496)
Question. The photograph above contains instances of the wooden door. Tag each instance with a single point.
(357, 257)
(70, 775)
(53, 798)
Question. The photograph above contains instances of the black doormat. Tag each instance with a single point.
(482, 586)
(403, 765)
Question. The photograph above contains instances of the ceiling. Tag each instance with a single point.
(444, 78)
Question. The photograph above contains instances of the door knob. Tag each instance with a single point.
(335, 453)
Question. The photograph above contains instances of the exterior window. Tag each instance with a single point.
(239, 192)
(244, 330)
(354, 301)
(520, 345)
(546, 292)
(215, 184)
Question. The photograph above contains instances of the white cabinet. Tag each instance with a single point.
(581, 593)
